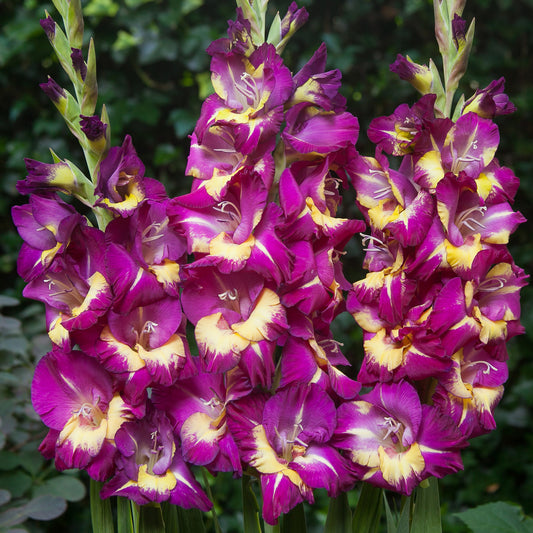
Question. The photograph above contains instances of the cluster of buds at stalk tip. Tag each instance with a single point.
(248, 264)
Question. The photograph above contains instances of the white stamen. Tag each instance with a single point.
(225, 150)
(221, 207)
(408, 129)
(468, 159)
(149, 326)
(382, 193)
(392, 426)
(230, 294)
(378, 244)
(465, 219)
(487, 285)
(488, 366)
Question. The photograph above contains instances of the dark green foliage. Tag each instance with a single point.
(499, 517)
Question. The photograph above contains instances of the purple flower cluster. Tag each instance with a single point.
(441, 297)
(248, 264)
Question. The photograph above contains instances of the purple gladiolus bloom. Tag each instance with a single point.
(196, 408)
(294, 18)
(458, 31)
(400, 133)
(46, 226)
(474, 387)
(490, 101)
(310, 130)
(399, 441)
(76, 399)
(146, 340)
(121, 183)
(231, 312)
(75, 285)
(287, 439)
(151, 243)
(150, 467)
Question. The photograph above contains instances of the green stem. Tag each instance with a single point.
(210, 496)
(272, 529)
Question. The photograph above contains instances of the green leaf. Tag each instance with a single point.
(274, 34)
(65, 486)
(8, 379)
(339, 519)
(437, 87)
(12, 517)
(90, 87)
(391, 521)
(497, 517)
(7, 301)
(125, 41)
(124, 518)
(31, 461)
(5, 496)
(101, 8)
(151, 519)
(170, 517)
(190, 5)
(46, 507)
(61, 6)
(190, 520)
(101, 515)
(41, 508)
(294, 520)
(405, 515)
(458, 108)
(426, 514)
(62, 49)
(14, 345)
(395, 523)
(250, 507)
(17, 482)
(75, 23)
(367, 514)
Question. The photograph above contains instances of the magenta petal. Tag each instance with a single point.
(306, 408)
(442, 443)
(63, 382)
(470, 145)
(410, 227)
(449, 306)
(401, 401)
(324, 467)
(323, 133)
(280, 495)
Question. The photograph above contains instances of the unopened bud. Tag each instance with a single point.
(56, 93)
(49, 26)
(78, 63)
(95, 131)
(419, 76)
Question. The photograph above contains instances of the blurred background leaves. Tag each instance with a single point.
(153, 74)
